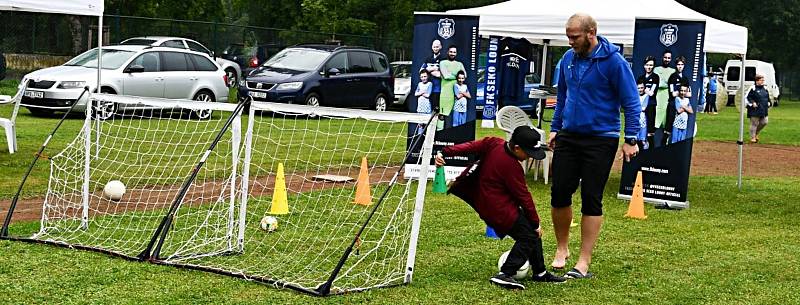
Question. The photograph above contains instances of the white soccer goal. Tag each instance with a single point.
(196, 207)
(151, 145)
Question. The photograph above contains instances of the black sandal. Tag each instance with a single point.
(576, 274)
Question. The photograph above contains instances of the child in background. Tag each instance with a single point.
(423, 93)
(462, 94)
(683, 108)
(644, 100)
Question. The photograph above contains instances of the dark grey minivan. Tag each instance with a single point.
(323, 75)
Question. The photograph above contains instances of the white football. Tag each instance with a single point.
(521, 273)
(269, 223)
(114, 190)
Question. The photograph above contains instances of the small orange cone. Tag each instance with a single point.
(363, 196)
(636, 207)
(280, 203)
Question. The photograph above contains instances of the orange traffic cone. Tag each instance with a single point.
(636, 207)
(363, 196)
(280, 202)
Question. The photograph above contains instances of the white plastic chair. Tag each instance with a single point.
(509, 118)
(9, 124)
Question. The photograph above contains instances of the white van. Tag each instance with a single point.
(732, 79)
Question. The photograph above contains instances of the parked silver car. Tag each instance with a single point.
(231, 68)
(129, 70)
(402, 81)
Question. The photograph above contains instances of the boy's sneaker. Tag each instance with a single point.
(548, 277)
(506, 281)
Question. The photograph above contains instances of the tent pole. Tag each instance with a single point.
(540, 107)
(741, 120)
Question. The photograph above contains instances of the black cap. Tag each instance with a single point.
(530, 141)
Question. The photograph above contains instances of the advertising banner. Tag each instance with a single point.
(443, 76)
(668, 64)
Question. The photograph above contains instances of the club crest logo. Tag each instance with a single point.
(669, 34)
(446, 28)
(488, 111)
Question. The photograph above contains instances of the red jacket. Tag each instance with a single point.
(496, 189)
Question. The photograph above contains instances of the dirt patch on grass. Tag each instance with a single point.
(161, 197)
(713, 158)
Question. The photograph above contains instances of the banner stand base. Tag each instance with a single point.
(660, 203)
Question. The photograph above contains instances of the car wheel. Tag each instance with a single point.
(106, 109)
(233, 79)
(40, 112)
(380, 102)
(203, 96)
(313, 99)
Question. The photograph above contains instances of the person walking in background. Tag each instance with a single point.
(757, 108)
(594, 82)
(711, 99)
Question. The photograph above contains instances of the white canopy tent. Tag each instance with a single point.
(543, 22)
(68, 7)
(539, 20)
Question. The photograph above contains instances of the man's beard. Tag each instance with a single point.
(451, 58)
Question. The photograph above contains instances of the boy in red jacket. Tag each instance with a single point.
(495, 187)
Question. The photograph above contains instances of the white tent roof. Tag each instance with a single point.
(69, 7)
(537, 20)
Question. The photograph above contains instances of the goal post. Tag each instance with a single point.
(198, 189)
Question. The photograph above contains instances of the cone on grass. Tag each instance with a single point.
(280, 202)
(363, 196)
(490, 233)
(439, 181)
(636, 207)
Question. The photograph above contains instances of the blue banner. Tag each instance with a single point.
(444, 73)
(490, 89)
(668, 63)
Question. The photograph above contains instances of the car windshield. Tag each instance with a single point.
(297, 59)
(137, 42)
(112, 59)
(401, 71)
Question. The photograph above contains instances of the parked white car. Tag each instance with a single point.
(128, 70)
(232, 69)
(402, 81)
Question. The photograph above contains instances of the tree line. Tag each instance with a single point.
(771, 24)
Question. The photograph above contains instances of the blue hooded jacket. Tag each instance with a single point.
(589, 103)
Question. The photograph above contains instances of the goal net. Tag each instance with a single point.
(151, 146)
(206, 193)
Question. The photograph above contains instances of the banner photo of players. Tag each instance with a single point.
(444, 72)
(668, 63)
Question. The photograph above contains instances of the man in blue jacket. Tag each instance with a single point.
(594, 82)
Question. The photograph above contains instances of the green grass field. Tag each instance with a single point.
(729, 247)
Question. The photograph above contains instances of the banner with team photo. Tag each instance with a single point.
(668, 64)
(443, 77)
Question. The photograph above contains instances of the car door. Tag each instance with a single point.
(178, 81)
(150, 82)
(334, 88)
(363, 79)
